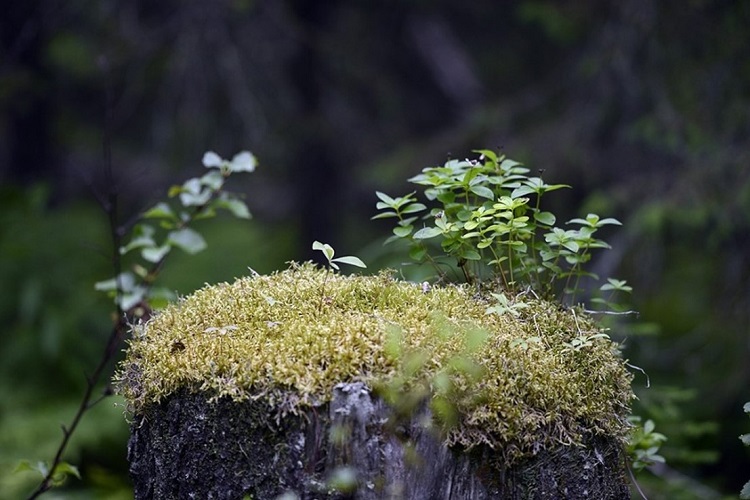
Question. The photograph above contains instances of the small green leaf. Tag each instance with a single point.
(413, 208)
(471, 255)
(745, 493)
(522, 191)
(155, 254)
(427, 233)
(193, 194)
(188, 240)
(351, 260)
(489, 154)
(235, 207)
(25, 466)
(385, 198)
(483, 191)
(160, 210)
(62, 471)
(126, 281)
(384, 215)
(243, 161)
(546, 218)
(417, 253)
(403, 231)
(211, 159)
(325, 248)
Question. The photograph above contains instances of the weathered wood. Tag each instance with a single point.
(187, 447)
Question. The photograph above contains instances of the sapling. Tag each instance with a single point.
(329, 253)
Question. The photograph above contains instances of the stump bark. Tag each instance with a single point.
(187, 447)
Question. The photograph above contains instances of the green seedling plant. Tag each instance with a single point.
(133, 291)
(328, 253)
(488, 216)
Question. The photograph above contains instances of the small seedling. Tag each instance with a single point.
(329, 252)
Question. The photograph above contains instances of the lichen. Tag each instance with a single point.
(289, 337)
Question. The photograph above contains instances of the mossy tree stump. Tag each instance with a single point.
(365, 387)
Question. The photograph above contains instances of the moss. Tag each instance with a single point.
(288, 338)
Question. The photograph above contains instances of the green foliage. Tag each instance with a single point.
(745, 438)
(488, 215)
(62, 471)
(199, 198)
(644, 443)
(329, 252)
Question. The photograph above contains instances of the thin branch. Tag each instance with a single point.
(635, 483)
(120, 325)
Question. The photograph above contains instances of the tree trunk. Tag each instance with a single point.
(190, 447)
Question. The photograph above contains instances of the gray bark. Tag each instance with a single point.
(187, 447)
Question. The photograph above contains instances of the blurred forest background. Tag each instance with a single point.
(642, 106)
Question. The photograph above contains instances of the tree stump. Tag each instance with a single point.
(263, 388)
(189, 448)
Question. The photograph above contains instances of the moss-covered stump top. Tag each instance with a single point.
(532, 377)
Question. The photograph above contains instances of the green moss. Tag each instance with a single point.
(288, 338)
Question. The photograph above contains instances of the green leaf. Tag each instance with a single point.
(427, 233)
(483, 191)
(385, 198)
(25, 466)
(188, 240)
(745, 493)
(126, 281)
(522, 191)
(327, 249)
(384, 215)
(243, 161)
(403, 231)
(508, 164)
(489, 154)
(413, 208)
(62, 471)
(417, 252)
(155, 254)
(351, 260)
(193, 194)
(160, 210)
(546, 218)
(471, 255)
(211, 159)
(235, 207)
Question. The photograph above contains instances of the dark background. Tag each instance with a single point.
(641, 106)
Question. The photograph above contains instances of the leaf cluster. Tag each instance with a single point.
(644, 443)
(166, 226)
(488, 216)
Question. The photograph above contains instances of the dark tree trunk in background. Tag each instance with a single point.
(314, 167)
(186, 447)
(25, 149)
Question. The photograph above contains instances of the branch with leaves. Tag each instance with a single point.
(133, 291)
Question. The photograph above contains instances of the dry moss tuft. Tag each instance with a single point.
(288, 338)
